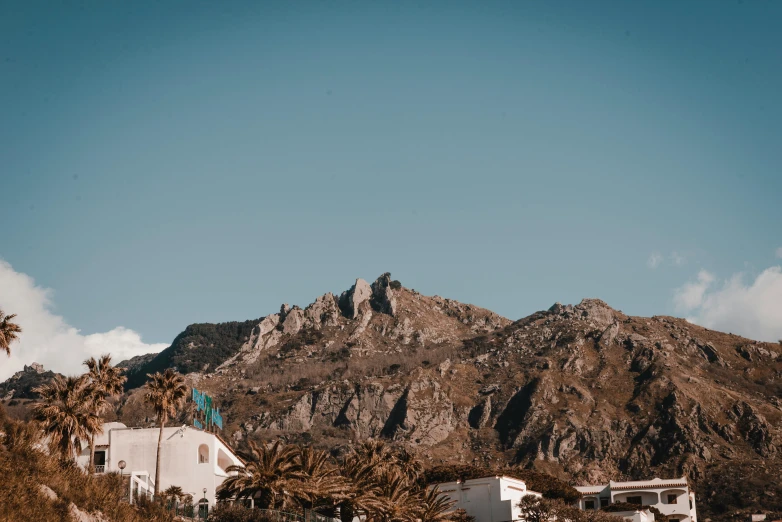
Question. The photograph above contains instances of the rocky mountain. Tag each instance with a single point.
(20, 385)
(583, 392)
(133, 364)
(200, 348)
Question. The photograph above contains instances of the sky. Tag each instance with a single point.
(170, 162)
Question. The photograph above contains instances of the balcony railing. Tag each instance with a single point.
(100, 468)
(674, 509)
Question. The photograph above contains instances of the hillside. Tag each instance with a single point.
(199, 348)
(583, 392)
(20, 385)
(39, 486)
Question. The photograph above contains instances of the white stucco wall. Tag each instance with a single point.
(490, 499)
(650, 495)
(179, 461)
(635, 516)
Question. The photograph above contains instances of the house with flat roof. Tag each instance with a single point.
(191, 458)
(672, 497)
(488, 499)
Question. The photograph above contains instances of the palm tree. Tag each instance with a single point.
(434, 506)
(166, 393)
(173, 494)
(66, 414)
(363, 491)
(317, 481)
(8, 331)
(104, 381)
(408, 464)
(399, 501)
(266, 477)
(375, 452)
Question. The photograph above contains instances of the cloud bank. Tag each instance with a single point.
(752, 309)
(46, 337)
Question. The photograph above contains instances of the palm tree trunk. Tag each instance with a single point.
(157, 460)
(346, 513)
(91, 467)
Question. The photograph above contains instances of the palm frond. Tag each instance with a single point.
(8, 332)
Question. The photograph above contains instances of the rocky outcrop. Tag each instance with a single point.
(383, 299)
(356, 300)
(292, 320)
(263, 336)
(420, 412)
(324, 312)
(480, 414)
(21, 384)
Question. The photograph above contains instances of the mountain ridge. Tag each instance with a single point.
(583, 392)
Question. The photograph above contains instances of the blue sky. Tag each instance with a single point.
(165, 163)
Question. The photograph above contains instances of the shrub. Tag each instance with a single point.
(460, 515)
(624, 506)
(26, 470)
(238, 513)
(534, 509)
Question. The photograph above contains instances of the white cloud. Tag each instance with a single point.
(753, 309)
(654, 260)
(779, 252)
(677, 259)
(46, 337)
(691, 295)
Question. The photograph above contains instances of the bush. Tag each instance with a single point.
(460, 515)
(625, 506)
(535, 509)
(29, 477)
(238, 513)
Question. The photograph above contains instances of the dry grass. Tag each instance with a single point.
(26, 469)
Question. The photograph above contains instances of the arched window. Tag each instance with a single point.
(203, 454)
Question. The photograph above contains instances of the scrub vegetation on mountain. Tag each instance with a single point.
(583, 393)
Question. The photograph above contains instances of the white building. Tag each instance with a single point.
(489, 499)
(190, 458)
(672, 498)
(635, 515)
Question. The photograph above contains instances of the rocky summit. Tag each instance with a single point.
(583, 392)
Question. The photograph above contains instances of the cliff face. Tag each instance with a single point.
(584, 392)
(584, 389)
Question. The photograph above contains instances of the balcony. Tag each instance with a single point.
(674, 509)
(100, 468)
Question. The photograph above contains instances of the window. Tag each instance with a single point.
(634, 500)
(672, 499)
(589, 504)
(100, 458)
(604, 501)
(203, 454)
(690, 503)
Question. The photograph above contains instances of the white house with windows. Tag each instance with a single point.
(488, 499)
(192, 459)
(672, 497)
